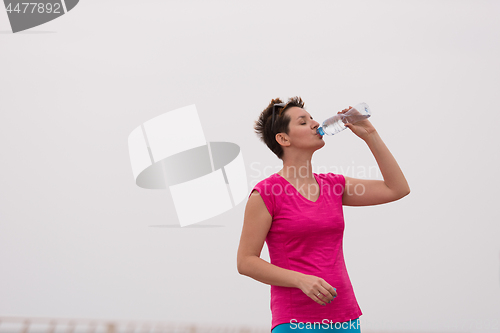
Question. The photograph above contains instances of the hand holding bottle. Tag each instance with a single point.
(354, 118)
(361, 126)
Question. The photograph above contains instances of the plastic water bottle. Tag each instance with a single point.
(335, 124)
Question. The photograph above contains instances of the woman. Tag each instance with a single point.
(299, 215)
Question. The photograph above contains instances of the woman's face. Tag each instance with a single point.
(302, 130)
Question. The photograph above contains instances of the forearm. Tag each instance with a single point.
(393, 176)
(265, 272)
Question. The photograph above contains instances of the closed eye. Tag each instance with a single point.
(304, 119)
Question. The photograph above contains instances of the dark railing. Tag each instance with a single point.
(10, 324)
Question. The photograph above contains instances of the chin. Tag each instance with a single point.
(321, 144)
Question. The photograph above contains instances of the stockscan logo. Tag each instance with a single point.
(25, 15)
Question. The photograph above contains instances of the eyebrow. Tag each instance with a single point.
(303, 117)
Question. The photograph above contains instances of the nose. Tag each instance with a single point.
(315, 124)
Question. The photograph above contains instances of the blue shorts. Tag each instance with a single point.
(351, 326)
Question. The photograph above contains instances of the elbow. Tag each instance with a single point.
(405, 192)
(240, 265)
(244, 265)
(242, 270)
(399, 194)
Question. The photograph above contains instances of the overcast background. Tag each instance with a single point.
(78, 238)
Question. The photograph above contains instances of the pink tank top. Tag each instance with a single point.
(306, 237)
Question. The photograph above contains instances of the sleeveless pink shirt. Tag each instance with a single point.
(306, 237)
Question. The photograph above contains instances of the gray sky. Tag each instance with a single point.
(79, 239)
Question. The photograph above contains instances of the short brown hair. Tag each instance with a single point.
(265, 128)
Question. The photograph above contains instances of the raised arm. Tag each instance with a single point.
(366, 192)
(256, 225)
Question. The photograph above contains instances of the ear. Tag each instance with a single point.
(283, 139)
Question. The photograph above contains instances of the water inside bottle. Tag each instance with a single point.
(337, 123)
(334, 125)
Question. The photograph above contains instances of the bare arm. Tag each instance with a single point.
(256, 225)
(365, 192)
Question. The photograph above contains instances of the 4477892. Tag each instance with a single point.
(34, 7)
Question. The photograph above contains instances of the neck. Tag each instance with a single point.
(297, 168)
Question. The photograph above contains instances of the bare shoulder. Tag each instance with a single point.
(256, 208)
(256, 225)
